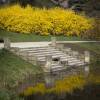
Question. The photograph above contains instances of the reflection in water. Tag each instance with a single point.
(60, 82)
(87, 70)
(88, 93)
(72, 86)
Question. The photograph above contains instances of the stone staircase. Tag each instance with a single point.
(50, 58)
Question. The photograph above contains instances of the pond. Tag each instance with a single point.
(75, 83)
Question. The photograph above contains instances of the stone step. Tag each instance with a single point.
(74, 60)
(81, 64)
(35, 53)
(31, 49)
(64, 59)
(59, 55)
(55, 51)
(71, 58)
(22, 50)
(44, 56)
(75, 63)
(43, 51)
(29, 54)
(41, 58)
(38, 48)
(58, 68)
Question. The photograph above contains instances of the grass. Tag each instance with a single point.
(93, 47)
(17, 37)
(13, 69)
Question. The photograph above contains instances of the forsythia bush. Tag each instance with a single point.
(55, 21)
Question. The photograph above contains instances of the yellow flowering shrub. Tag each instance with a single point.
(55, 21)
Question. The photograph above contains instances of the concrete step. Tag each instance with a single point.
(41, 58)
(33, 51)
(39, 48)
(59, 55)
(74, 60)
(34, 48)
(58, 68)
(55, 51)
(76, 64)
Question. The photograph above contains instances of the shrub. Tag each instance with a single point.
(55, 21)
(95, 32)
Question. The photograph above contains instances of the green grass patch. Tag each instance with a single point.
(17, 37)
(93, 47)
(14, 70)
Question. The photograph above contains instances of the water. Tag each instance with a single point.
(77, 83)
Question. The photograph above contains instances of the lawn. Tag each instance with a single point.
(18, 37)
(93, 47)
(14, 70)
